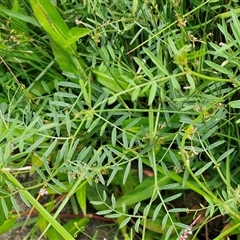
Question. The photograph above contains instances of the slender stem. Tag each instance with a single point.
(39, 207)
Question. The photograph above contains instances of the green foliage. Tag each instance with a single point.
(124, 105)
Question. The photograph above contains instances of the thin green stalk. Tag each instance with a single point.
(227, 232)
(168, 27)
(212, 198)
(82, 81)
(74, 188)
(39, 207)
(217, 166)
(189, 185)
(199, 75)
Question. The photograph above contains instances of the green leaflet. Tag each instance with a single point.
(64, 59)
(81, 195)
(20, 16)
(52, 22)
(114, 80)
(143, 191)
(75, 33)
(8, 224)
